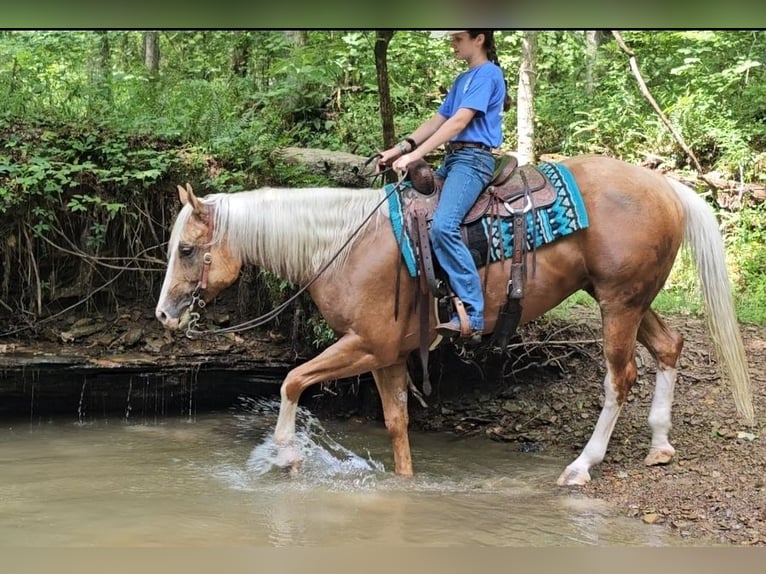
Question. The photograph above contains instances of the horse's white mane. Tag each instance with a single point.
(292, 232)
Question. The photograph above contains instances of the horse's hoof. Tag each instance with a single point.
(659, 456)
(291, 470)
(573, 477)
(288, 459)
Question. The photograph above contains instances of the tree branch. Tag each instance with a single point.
(647, 94)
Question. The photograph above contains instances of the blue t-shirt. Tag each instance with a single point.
(481, 89)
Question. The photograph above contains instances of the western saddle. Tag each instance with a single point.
(513, 192)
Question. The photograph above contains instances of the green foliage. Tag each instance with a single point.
(319, 89)
(579, 300)
(710, 85)
(746, 233)
(322, 336)
(90, 141)
(44, 168)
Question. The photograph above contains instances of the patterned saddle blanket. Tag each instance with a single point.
(490, 238)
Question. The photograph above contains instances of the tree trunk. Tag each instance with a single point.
(103, 68)
(152, 52)
(240, 55)
(591, 54)
(296, 37)
(298, 102)
(340, 168)
(594, 39)
(525, 125)
(382, 39)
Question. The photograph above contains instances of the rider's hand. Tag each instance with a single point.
(401, 165)
(386, 158)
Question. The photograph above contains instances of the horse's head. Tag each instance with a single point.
(198, 269)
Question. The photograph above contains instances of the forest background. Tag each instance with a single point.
(98, 127)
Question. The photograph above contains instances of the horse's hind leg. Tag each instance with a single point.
(392, 387)
(665, 346)
(620, 329)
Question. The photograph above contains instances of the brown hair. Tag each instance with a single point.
(489, 46)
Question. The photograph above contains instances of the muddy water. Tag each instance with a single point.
(208, 481)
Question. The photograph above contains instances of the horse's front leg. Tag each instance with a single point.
(349, 356)
(284, 432)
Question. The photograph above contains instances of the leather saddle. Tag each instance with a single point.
(512, 192)
(512, 188)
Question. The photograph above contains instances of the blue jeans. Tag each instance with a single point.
(467, 172)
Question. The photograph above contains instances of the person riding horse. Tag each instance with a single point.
(469, 124)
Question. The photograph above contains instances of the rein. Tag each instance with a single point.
(192, 332)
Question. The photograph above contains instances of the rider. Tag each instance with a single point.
(469, 122)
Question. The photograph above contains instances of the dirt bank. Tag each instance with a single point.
(548, 401)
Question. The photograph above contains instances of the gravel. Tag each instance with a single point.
(712, 492)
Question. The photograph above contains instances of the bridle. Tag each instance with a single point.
(207, 259)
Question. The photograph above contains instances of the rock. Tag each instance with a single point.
(82, 328)
(131, 337)
(651, 518)
(220, 319)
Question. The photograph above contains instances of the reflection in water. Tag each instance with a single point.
(210, 481)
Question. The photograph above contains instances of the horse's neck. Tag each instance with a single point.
(296, 232)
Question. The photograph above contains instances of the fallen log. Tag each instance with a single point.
(341, 168)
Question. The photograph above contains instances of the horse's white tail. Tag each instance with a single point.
(704, 240)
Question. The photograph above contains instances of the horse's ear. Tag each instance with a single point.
(186, 195)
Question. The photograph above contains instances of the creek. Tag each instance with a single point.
(207, 479)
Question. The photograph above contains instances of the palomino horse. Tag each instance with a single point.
(638, 221)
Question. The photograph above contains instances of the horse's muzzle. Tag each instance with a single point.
(172, 323)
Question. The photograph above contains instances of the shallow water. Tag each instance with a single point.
(209, 481)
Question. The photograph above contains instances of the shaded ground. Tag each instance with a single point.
(548, 401)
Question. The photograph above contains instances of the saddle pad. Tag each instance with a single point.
(396, 216)
(566, 215)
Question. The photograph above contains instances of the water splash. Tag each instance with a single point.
(322, 457)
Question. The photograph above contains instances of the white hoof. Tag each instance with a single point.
(659, 456)
(288, 458)
(573, 477)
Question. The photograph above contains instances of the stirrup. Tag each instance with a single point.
(451, 329)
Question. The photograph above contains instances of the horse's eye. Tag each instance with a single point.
(185, 250)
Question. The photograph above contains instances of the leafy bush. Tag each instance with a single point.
(92, 144)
